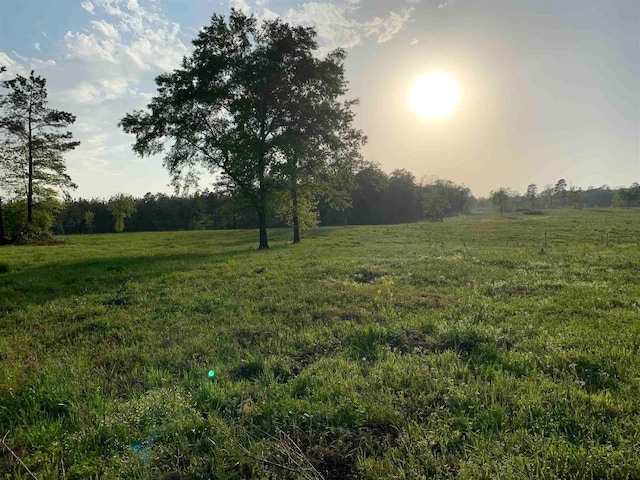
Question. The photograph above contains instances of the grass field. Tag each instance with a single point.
(463, 349)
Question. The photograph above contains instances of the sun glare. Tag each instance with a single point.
(434, 95)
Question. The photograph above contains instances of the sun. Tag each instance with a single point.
(434, 96)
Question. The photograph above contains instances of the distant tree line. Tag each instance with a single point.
(372, 197)
(559, 195)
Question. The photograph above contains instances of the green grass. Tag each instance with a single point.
(463, 349)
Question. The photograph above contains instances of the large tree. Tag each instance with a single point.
(34, 139)
(238, 103)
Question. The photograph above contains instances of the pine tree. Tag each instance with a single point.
(33, 141)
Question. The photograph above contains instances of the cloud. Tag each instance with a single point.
(129, 40)
(336, 23)
(106, 29)
(337, 26)
(387, 28)
(88, 6)
(37, 46)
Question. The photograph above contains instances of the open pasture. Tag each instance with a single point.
(463, 349)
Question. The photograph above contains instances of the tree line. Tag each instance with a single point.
(560, 195)
(373, 197)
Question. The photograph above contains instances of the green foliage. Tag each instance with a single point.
(89, 218)
(378, 352)
(251, 102)
(18, 229)
(500, 199)
(32, 147)
(121, 207)
(435, 202)
(307, 208)
(625, 197)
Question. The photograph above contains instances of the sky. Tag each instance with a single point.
(549, 89)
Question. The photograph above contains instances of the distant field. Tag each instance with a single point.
(466, 349)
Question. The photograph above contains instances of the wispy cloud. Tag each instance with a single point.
(339, 24)
(386, 28)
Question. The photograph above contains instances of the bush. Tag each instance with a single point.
(15, 220)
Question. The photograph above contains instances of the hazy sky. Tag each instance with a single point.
(550, 88)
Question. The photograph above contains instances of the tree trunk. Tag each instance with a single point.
(296, 220)
(262, 218)
(30, 183)
(262, 203)
(1, 224)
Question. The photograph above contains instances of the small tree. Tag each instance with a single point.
(500, 199)
(435, 201)
(532, 191)
(33, 143)
(121, 207)
(89, 218)
(560, 190)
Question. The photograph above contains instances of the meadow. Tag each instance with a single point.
(481, 347)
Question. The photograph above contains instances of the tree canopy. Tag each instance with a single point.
(242, 103)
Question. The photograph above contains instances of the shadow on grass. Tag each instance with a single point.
(42, 284)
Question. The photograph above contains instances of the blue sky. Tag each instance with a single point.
(550, 89)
